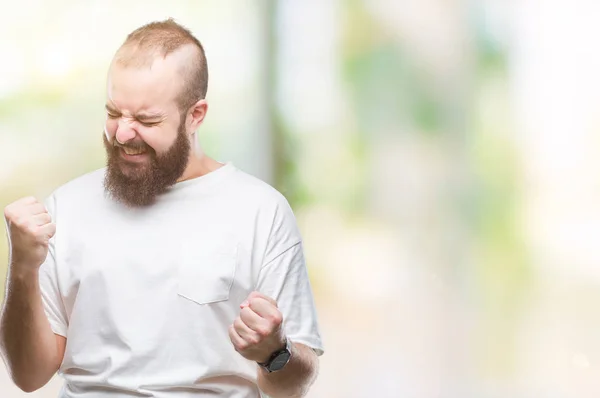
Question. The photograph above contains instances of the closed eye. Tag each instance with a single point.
(148, 124)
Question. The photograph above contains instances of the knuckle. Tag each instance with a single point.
(244, 312)
(263, 332)
(276, 318)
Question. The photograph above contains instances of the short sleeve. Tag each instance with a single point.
(284, 277)
(48, 278)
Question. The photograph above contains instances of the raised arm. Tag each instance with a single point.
(30, 349)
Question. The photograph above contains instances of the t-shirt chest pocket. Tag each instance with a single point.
(207, 271)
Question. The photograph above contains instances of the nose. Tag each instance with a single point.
(124, 132)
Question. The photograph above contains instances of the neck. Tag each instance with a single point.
(199, 165)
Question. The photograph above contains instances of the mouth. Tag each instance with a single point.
(133, 151)
(133, 154)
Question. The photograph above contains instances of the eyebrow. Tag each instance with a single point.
(148, 116)
(109, 108)
(139, 116)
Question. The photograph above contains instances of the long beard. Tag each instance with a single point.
(139, 184)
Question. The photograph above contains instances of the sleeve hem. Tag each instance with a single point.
(58, 328)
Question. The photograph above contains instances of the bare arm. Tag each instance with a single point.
(257, 333)
(30, 349)
(295, 378)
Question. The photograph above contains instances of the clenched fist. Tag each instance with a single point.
(29, 228)
(258, 331)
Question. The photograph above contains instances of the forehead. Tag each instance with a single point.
(152, 87)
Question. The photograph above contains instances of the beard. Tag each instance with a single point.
(139, 184)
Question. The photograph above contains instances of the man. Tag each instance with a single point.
(167, 273)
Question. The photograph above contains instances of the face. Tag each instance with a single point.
(146, 140)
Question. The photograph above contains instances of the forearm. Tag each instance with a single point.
(295, 379)
(27, 342)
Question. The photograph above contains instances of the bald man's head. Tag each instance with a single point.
(155, 103)
(161, 39)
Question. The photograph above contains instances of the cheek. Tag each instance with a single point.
(159, 139)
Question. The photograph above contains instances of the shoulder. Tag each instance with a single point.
(79, 190)
(271, 207)
(254, 190)
(273, 211)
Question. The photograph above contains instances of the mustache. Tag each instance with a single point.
(131, 145)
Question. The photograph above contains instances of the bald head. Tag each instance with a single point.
(168, 39)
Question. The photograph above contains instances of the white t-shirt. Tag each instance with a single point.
(145, 296)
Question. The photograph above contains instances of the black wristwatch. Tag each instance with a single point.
(279, 358)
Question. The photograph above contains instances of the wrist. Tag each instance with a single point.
(275, 348)
(278, 359)
(20, 271)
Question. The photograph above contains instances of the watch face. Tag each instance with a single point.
(280, 361)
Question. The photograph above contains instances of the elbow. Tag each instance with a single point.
(291, 393)
(26, 384)
(29, 375)
(295, 390)
(25, 381)
(27, 388)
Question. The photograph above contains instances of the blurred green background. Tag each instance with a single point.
(441, 156)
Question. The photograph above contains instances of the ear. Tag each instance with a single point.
(196, 115)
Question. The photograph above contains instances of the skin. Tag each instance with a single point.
(257, 333)
(30, 349)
